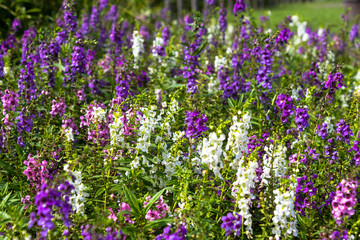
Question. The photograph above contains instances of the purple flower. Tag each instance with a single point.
(232, 223)
(70, 20)
(284, 103)
(343, 132)
(49, 199)
(167, 235)
(263, 79)
(10, 101)
(58, 108)
(239, 7)
(210, 2)
(284, 35)
(354, 32)
(322, 131)
(94, 18)
(78, 60)
(16, 24)
(195, 124)
(222, 20)
(103, 4)
(302, 118)
(333, 82)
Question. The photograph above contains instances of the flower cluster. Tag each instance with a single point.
(302, 118)
(232, 223)
(36, 171)
(180, 234)
(286, 106)
(195, 124)
(284, 209)
(343, 132)
(45, 201)
(238, 139)
(10, 101)
(343, 204)
(242, 191)
(212, 152)
(78, 194)
(160, 211)
(58, 108)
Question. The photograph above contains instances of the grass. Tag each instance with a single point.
(318, 14)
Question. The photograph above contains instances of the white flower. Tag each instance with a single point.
(99, 114)
(246, 177)
(78, 196)
(138, 45)
(158, 42)
(285, 211)
(357, 76)
(219, 63)
(117, 131)
(211, 152)
(69, 134)
(273, 160)
(330, 126)
(238, 139)
(295, 92)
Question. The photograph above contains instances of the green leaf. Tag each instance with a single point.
(3, 202)
(158, 223)
(125, 212)
(123, 169)
(153, 200)
(99, 192)
(117, 188)
(132, 201)
(7, 167)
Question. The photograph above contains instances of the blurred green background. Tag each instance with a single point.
(318, 13)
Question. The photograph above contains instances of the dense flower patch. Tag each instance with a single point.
(138, 127)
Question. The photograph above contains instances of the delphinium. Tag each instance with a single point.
(263, 77)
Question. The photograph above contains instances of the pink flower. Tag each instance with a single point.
(112, 215)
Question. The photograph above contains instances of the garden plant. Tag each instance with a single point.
(134, 125)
